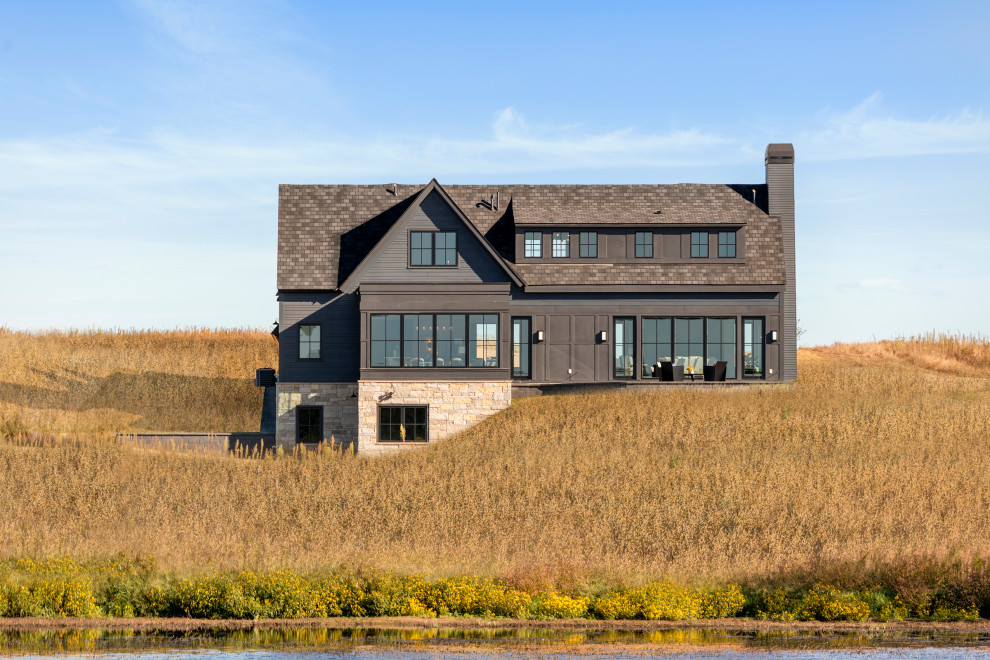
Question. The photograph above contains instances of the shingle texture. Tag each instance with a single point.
(325, 231)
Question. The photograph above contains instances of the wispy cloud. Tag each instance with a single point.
(865, 131)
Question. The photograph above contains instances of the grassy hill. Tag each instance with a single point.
(877, 457)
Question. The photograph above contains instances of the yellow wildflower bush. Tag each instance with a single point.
(277, 595)
(555, 606)
(215, 596)
(395, 595)
(614, 605)
(827, 603)
(474, 596)
(335, 596)
(776, 605)
(667, 602)
(722, 602)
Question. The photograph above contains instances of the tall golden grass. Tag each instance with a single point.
(105, 381)
(867, 460)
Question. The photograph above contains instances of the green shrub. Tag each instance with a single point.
(827, 603)
(722, 602)
(775, 605)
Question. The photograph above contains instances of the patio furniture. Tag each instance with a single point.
(716, 372)
(669, 372)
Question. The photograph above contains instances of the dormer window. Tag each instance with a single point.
(699, 244)
(644, 245)
(432, 248)
(534, 244)
(726, 244)
(589, 244)
(561, 244)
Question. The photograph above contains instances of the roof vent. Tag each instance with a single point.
(394, 190)
(754, 195)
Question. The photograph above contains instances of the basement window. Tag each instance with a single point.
(309, 424)
(402, 423)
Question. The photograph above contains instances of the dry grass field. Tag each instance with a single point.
(879, 455)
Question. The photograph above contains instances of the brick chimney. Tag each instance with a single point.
(780, 189)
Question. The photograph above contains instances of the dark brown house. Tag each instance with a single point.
(408, 313)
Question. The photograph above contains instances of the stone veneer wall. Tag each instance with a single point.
(453, 407)
(340, 410)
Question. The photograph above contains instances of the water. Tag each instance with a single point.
(508, 644)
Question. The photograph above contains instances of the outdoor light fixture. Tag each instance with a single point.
(773, 335)
(604, 336)
(539, 335)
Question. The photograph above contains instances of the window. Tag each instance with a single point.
(417, 340)
(588, 241)
(533, 242)
(309, 342)
(561, 244)
(644, 244)
(657, 340)
(386, 340)
(451, 340)
(402, 424)
(721, 344)
(432, 248)
(625, 348)
(434, 340)
(689, 344)
(309, 424)
(699, 244)
(483, 340)
(521, 347)
(753, 348)
(726, 244)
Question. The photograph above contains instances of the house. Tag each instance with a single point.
(410, 312)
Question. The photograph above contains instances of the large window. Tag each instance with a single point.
(451, 340)
(721, 344)
(386, 340)
(699, 244)
(561, 244)
(753, 348)
(309, 342)
(625, 348)
(521, 347)
(657, 343)
(533, 244)
(726, 244)
(434, 340)
(309, 424)
(402, 424)
(432, 248)
(589, 244)
(689, 344)
(644, 244)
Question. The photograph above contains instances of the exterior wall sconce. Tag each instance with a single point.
(539, 335)
(773, 335)
(603, 336)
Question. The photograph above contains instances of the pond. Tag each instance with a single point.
(405, 644)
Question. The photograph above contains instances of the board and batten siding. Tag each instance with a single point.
(474, 263)
(340, 326)
(780, 190)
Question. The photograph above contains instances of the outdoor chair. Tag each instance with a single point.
(670, 372)
(716, 372)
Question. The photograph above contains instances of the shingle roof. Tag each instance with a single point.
(325, 230)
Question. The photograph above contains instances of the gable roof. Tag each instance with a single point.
(353, 278)
(326, 231)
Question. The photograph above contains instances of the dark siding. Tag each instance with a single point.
(780, 185)
(340, 337)
(474, 263)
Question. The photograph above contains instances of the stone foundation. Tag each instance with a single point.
(453, 407)
(340, 410)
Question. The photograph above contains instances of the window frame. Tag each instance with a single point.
(435, 341)
(319, 409)
(626, 342)
(537, 244)
(564, 243)
(701, 245)
(591, 244)
(643, 343)
(527, 344)
(731, 367)
(762, 344)
(646, 245)
(434, 250)
(319, 343)
(727, 245)
(402, 408)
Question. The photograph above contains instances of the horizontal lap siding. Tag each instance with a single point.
(339, 318)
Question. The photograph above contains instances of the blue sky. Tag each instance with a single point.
(142, 142)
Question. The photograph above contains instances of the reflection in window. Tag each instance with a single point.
(699, 244)
(561, 244)
(402, 424)
(417, 340)
(386, 344)
(727, 244)
(588, 242)
(721, 344)
(533, 244)
(644, 244)
(421, 248)
(521, 347)
(309, 342)
(753, 348)
(451, 340)
(483, 340)
(689, 344)
(625, 348)
(657, 339)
